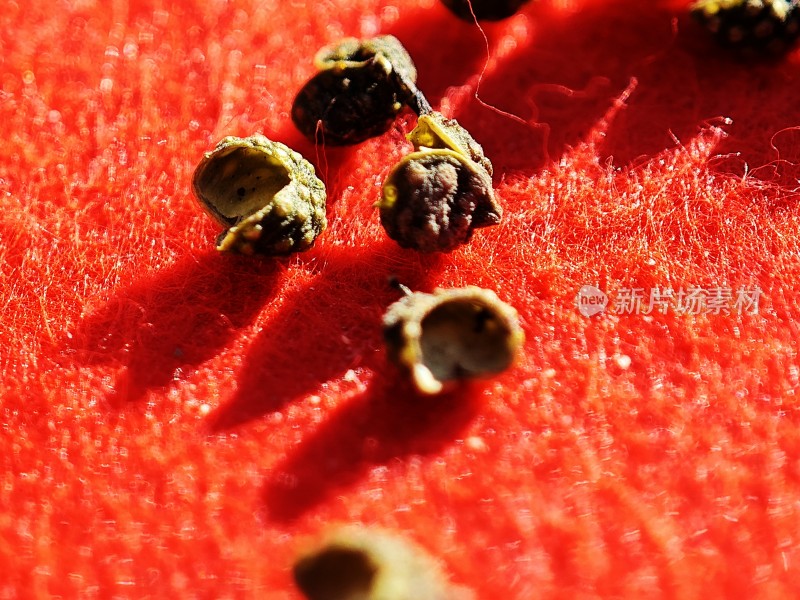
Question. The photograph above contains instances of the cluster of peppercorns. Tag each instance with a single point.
(271, 203)
(433, 199)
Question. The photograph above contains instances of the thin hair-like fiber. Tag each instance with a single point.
(319, 132)
(491, 107)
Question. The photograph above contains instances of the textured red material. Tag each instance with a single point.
(175, 423)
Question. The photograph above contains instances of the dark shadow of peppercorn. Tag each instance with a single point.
(324, 329)
(717, 84)
(562, 81)
(388, 422)
(575, 68)
(174, 319)
(445, 50)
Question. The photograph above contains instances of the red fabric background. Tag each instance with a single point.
(175, 423)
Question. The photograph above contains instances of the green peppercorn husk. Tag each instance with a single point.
(266, 194)
(434, 131)
(360, 89)
(452, 334)
(485, 10)
(751, 26)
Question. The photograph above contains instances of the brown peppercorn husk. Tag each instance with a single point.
(353, 52)
(434, 201)
(266, 194)
(361, 87)
(435, 198)
(356, 563)
(450, 335)
(485, 10)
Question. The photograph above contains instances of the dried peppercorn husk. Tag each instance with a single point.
(361, 87)
(451, 334)
(434, 201)
(751, 26)
(485, 10)
(266, 195)
(435, 198)
(356, 563)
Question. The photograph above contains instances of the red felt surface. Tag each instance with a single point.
(175, 423)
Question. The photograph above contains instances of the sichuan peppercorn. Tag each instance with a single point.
(450, 335)
(357, 93)
(433, 201)
(265, 194)
(434, 198)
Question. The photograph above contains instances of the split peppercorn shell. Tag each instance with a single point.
(485, 10)
(266, 195)
(361, 87)
(450, 335)
(356, 563)
(434, 131)
(751, 26)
